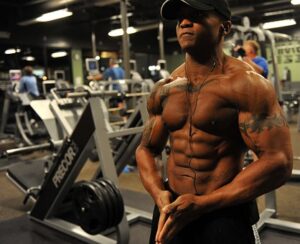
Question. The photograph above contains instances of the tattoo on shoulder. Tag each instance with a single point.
(179, 83)
(260, 123)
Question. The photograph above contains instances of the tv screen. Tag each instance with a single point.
(59, 75)
(39, 72)
(92, 65)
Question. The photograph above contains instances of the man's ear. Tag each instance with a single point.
(226, 26)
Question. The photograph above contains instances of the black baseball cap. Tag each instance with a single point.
(169, 9)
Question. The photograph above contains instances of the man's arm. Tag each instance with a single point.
(153, 141)
(265, 131)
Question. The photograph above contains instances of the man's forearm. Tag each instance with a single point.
(149, 172)
(258, 178)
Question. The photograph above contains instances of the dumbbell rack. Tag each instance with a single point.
(67, 166)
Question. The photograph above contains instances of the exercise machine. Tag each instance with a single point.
(52, 201)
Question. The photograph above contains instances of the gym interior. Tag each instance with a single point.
(68, 153)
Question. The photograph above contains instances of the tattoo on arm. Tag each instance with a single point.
(260, 123)
(146, 138)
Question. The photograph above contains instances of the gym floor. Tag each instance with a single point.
(288, 196)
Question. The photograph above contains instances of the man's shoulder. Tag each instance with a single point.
(246, 85)
(160, 92)
(234, 65)
(240, 71)
(26, 78)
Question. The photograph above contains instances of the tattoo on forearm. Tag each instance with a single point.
(148, 131)
(260, 123)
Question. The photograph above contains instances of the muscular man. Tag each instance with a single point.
(212, 109)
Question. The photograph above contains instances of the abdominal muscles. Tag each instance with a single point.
(202, 163)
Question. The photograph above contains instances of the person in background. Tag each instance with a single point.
(28, 82)
(114, 71)
(251, 57)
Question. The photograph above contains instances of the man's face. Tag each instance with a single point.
(197, 29)
(248, 49)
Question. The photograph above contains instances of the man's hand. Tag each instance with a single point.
(164, 199)
(175, 216)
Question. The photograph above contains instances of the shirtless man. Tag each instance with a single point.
(212, 109)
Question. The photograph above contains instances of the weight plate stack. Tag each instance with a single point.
(98, 205)
(118, 199)
(89, 208)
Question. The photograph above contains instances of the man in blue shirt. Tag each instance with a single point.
(259, 63)
(114, 72)
(28, 82)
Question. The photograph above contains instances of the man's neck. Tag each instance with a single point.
(200, 67)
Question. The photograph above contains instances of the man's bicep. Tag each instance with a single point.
(155, 134)
(264, 133)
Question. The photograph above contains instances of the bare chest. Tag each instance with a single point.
(206, 110)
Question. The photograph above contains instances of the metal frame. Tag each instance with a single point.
(52, 195)
(268, 216)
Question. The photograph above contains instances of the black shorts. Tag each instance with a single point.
(232, 225)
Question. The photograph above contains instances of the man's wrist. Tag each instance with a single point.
(210, 202)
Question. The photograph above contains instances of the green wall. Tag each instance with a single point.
(77, 67)
(288, 55)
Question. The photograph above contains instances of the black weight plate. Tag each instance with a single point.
(119, 210)
(112, 201)
(119, 201)
(90, 220)
(79, 197)
(103, 214)
(107, 201)
(88, 208)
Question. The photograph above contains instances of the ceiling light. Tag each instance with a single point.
(295, 2)
(59, 54)
(120, 32)
(12, 51)
(62, 13)
(287, 11)
(29, 58)
(279, 23)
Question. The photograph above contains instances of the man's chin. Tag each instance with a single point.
(188, 49)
